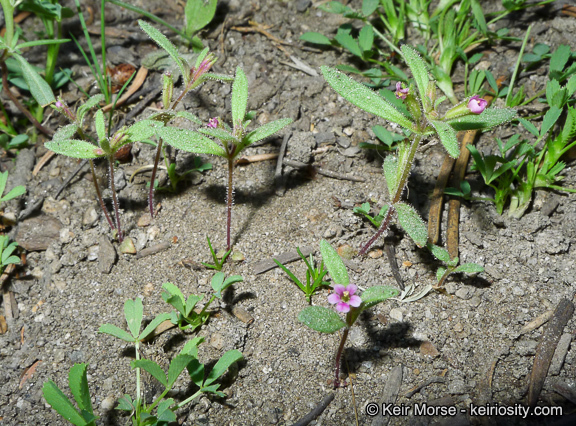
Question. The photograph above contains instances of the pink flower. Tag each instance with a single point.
(213, 122)
(401, 92)
(344, 297)
(476, 104)
(59, 104)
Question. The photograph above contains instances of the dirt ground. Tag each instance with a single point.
(459, 348)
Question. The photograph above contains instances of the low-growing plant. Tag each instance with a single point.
(325, 320)
(162, 410)
(420, 120)
(314, 276)
(6, 250)
(108, 145)
(218, 260)
(186, 318)
(234, 139)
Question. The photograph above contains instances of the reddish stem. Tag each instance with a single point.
(115, 198)
(338, 358)
(99, 195)
(383, 227)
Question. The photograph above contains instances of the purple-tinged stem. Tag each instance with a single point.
(229, 201)
(339, 357)
(395, 197)
(115, 198)
(383, 227)
(99, 195)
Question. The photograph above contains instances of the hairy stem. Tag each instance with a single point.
(115, 198)
(339, 357)
(395, 197)
(229, 201)
(29, 116)
(99, 195)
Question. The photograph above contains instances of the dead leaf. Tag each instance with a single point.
(136, 84)
(28, 373)
(3, 325)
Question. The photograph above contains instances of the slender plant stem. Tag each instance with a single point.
(115, 198)
(399, 190)
(513, 79)
(339, 357)
(151, 193)
(29, 116)
(99, 195)
(137, 403)
(187, 400)
(229, 201)
(8, 21)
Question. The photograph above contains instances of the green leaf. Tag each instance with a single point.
(550, 118)
(65, 132)
(559, 59)
(37, 85)
(100, 125)
(316, 38)
(165, 44)
(218, 133)
(198, 14)
(390, 168)
(174, 297)
(160, 318)
(75, 148)
(448, 137)
(165, 414)
(264, 131)
(219, 284)
(374, 295)
(177, 365)
(439, 253)
(223, 364)
(419, 72)
(411, 222)
(440, 273)
(190, 141)
(143, 129)
(364, 98)
(334, 264)
(196, 371)
(134, 312)
(191, 303)
(189, 116)
(529, 126)
(3, 180)
(191, 346)
(321, 319)
(469, 268)
(125, 403)
(491, 117)
(239, 97)
(479, 16)
(116, 332)
(366, 38)
(345, 39)
(14, 192)
(369, 6)
(41, 43)
(291, 275)
(86, 106)
(151, 367)
(59, 402)
(79, 386)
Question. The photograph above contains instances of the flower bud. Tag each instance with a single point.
(476, 104)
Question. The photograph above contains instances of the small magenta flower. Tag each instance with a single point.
(213, 122)
(476, 104)
(344, 297)
(401, 91)
(59, 104)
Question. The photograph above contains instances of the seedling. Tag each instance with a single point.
(142, 413)
(218, 263)
(422, 120)
(62, 143)
(233, 139)
(326, 320)
(6, 250)
(78, 383)
(187, 318)
(376, 220)
(193, 77)
(314, 276)
(14, 192)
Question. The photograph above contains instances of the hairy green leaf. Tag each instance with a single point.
(321, 319)
(364, 98)
(239, 97)
(469, 268)
(334, 264)
(374, 295)
(265, 131)
(419, 72)
(75, 148)
(448, 137)
(411, 222)
(39, 89)
(190, 141)
(491, 117)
